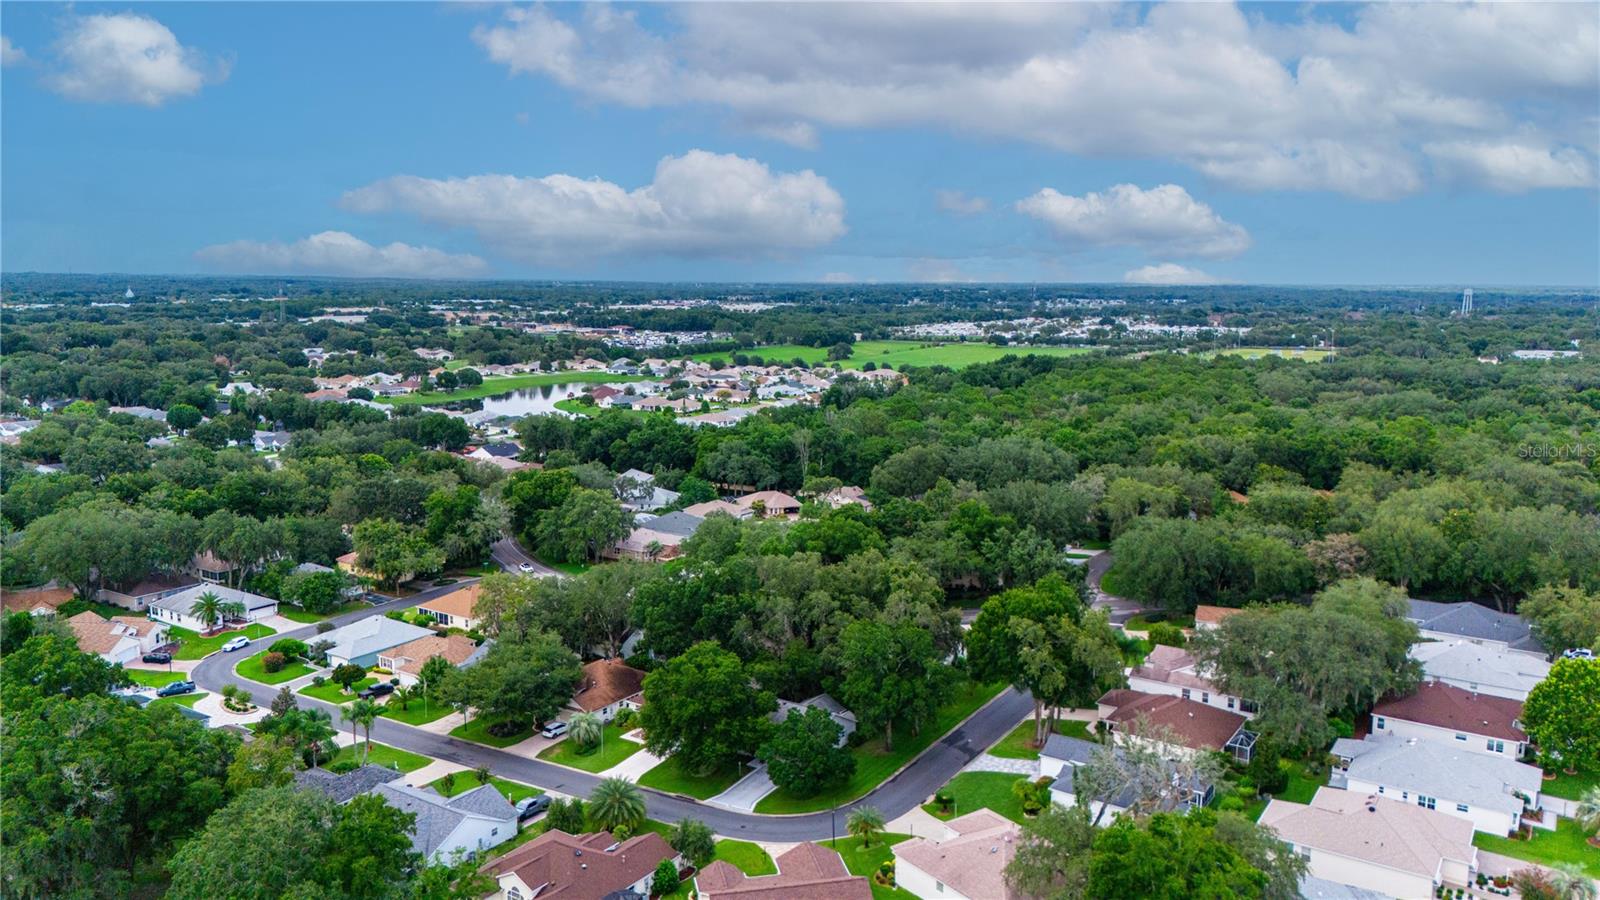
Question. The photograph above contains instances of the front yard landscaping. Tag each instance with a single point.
(1567, 844)
(1569, 787)
(1016, 744)
(331, 692)
(874, 764)
(296, 614)
(188, 700)
(477, 731)
(746, 857)
(388, 757)
(867, 860)
(980, 790)
(1142, 623)
(416, 712)
(671, 777)
(194, 646)
(252, 669)
(466, 781)
(148, 678)
(611, 750)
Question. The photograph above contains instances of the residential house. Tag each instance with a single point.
(806, 871)
(348, 564)
(844, 718)
(406, 661)
(639, 493)
(608, 687)
(39, 601)
(16, 428)
(119, 639)
(770, 505)
(1487, 668)
(138, 595)
(1492, 792)
(717, 506)
(360, 642)
(1196, 727)
(965, 861)
(141, 412)
(1445, 713)
(179, 608)
(270, 441)
(603, 395)
(1173, 671)
(1474, 622)
(845, 496)
(659, 538)
(1208, 617)
(327, 395)
(210, 568)
(1366, 841)
(470, 822)
(455, 609)
(498, 450)
(434, 355)
(1061, 756)
(243, 387)
(348, 786)
(561, 866)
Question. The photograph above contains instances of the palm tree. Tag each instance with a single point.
(616, 803)
(365, 712)
(1587, 815)
(208, 608)
(1571, 883)
(231, 610)
(404, 696)
(864, 822)
(316, 729)
(586, 728)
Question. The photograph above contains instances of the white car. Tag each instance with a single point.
(237, 643)
(526, 568)
(554, 729)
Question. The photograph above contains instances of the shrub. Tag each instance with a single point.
(325, 627)
(289, 647)
(1163, 633)
(318, 680)
(624, 718)
(342, 766)
(1341, 727)
(1230, 803)
(666, 878)
(273, 662)
(447, 782)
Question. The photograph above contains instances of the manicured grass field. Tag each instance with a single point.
(149, 678)
(252, 669)
(188, 700)
(1566, 844)
(1285, 352)
(874, 764)
(866, 860)
(1302, 784)
(466, 781)
(981, 790)
(329, 692)
(570, 568)
(1140, 623)
(502, 384)
(386, 756)
(296, 614)
(612, 750)
(1570, 787)
(196, 647)
(671, 777)
(746, 857)
(416, 711)
(898, 354)
(1016, 744)
(477, 731)
(1111, 582)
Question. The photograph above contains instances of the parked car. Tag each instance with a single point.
(380, 689)
(158, 656)
(1578, 653)
(528, 807)
(554, 729)
(238, 643)
(526, 568)
(175, 688)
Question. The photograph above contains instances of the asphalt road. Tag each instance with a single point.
(898, 795)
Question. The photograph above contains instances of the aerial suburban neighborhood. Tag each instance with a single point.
(800, 451)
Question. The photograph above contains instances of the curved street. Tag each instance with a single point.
(913, 785)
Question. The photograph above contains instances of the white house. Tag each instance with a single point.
(1173, 671)
(965, 861)
(844, 718)
(608, 687)
(1476, 623)
(1486, 668)
(119, 639)
(361, 641)
(472, 822)
(1490, 791)
(1366, 841)
(406, 661)
(1061, 757)
(1443, 712)
(179, 608)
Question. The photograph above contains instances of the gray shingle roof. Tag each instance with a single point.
(438, 816)
(1441, 770)
(183, 601)
(344, 788)
(679, 523)
(1077, 751)
(1472, 620)
(371, 635)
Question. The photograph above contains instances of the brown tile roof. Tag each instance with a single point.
(456, 603)
(97, 635)
(1196, 725)
(1457, 709)
(805, 872)
(454, 647)
(1212, 615)
(605, 681)
(973, 859)
(30, 600)
(581, 867)
(1172, 665)
(156, 583)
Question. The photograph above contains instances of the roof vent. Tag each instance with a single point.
(1371, 808)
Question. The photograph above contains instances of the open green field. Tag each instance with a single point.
(1285, 352)
(898, 354)
(1017, 744)
(671, 777)
(148, 678)
(477, 731)
(196, 647)
(466, 781)
(1566, 844)
(504, 383)
(252, 669)
(612, 750)
(866, 860)
(330, 692)
(874, 764)
(386, 756)
(981, 790)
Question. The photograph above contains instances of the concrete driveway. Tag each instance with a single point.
(746, 792)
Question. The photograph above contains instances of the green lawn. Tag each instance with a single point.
(1111, 582)
(874, 764)
(670, 777)
(1017, 744)
(188, 700)
(612, 750)
(1140, 623)
(1566, 844)
(388, 757)
(252, 669)
(746, 857)
(569, 568)
(296, 614)
(898, 354)
(329, 692)
(980, 790)
(466, 781)
(865, 861)
(196, 647)
(1302, 784)
(416, 712)
(477, 731)
(1286, 353)
(501, 384)
(1570, 787)
(148, 678)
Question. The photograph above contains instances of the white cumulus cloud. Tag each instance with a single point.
(959, 203)
(1163, 220)
(11, 54)
(1511, 167)
(698, 204)
(127, 58)
(339, 253)
(1343, 102)
(1167, 273)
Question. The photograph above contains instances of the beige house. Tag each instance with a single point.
(560, 866)
(120, 639)
(455, 609)
(966, 862)
(406, 661)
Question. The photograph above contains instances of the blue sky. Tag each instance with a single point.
(1281, 144)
